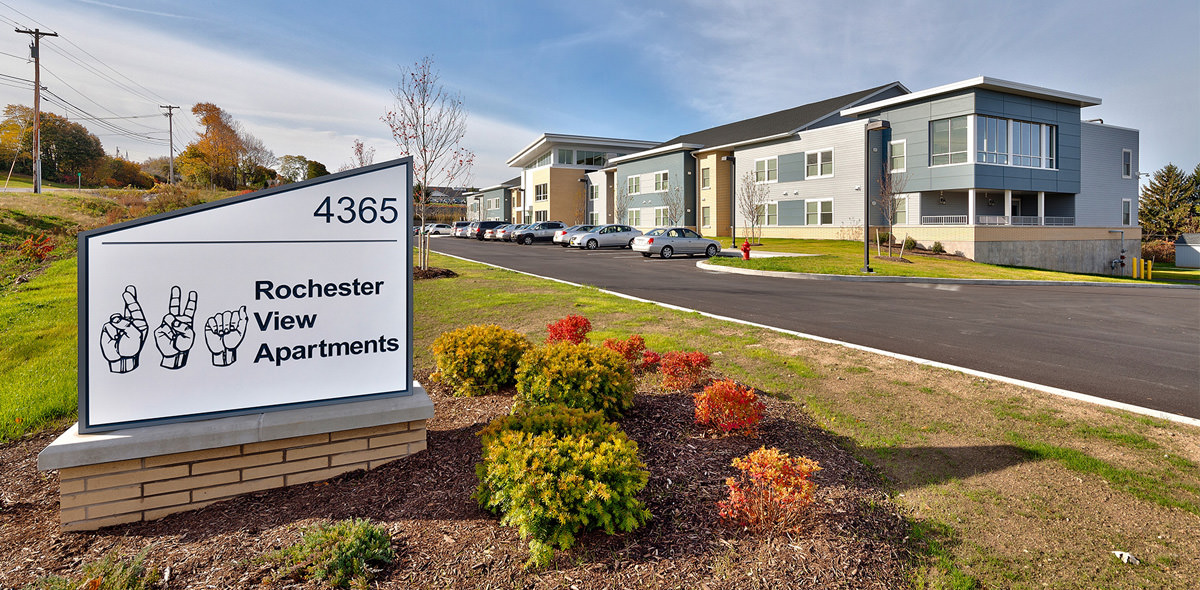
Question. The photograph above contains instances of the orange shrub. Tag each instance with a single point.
(683, 370)
(37, 248)
(635, 353)
(728, 406)
(772, 491)
(573, 329)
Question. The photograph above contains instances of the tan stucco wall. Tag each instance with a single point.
(717, 195)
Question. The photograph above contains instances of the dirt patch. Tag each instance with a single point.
(433, 273)
(853, 538)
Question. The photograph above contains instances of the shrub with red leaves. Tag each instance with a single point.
(684, 370)
(650, 360)
(573, 329)
(37, 248)
(772, 491)
(635, 353)
(728, 406)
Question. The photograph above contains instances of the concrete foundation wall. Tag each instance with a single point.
(1085, 256)
(117, 492)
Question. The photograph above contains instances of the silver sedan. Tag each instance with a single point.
(613, 235)
(669, 241)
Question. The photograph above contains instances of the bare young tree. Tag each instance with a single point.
(360, 157)
(621, 202)
(673, 200)
(752, 199)
(891, 196)
(429, 123)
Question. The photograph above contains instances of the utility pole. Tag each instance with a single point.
(171, 137)
(35, 52)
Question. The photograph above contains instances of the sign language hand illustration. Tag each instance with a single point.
(122, 337)
(224, 332)
(175, 336)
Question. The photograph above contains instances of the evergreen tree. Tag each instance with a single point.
(1165, 206)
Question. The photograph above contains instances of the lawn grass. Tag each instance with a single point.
(26, 181)
(842, 257)
(1165, 271)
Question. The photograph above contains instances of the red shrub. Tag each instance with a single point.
(650, 360)
(635, 353)
(37, 248)
(728, 406)
(573, 329)
(771, 492)
(684, 370)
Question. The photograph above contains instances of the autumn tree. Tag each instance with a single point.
(360, 156)
(751, 202)
(429, 123)
(220, 144)
(67, 147)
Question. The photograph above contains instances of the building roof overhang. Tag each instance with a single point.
(547, 140)
(983, 83)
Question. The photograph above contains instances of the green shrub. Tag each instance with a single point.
(938, 248)
(554, 472)
(909, 243)
(110, 573)
(478, 360)
(576, 375)
(340, 553)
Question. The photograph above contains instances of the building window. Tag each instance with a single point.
(1027, 144)
(543, 160)
(991, 140)
(818, 164)
(949, 141)
(660, 181)
(633, 185)
(635, 217)
(593, 218)
(818, 212)
(541, 192)
(901, 210)
(585, 158)
(766, 170)
(768, 214)
(660, 217)
(541, 215)
(593, 192)
(706, 215)
(566, 156)
(896, 157)
(1126, 163)
(705, 178)
(1126, 212)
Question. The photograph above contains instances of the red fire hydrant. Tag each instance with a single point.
(746, 250)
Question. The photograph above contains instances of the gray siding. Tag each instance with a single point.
(681, 168)
(1102, 187)
(495, 213)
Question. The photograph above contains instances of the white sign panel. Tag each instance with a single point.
(295, 295)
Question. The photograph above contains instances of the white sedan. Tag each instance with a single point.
(669, 241)
(613, 235)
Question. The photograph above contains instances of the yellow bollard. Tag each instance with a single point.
(1137, 268)
(1149, 270)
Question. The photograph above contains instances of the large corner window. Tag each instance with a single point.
(543, 160)
(586, 158)
(897, 160)
(948, 138)
(991, 139)
(766, 170)
(1008, 142)
(818, 212)
(541, 192)
(818, 164)
(566, 156)
(1027, 144)
(661, 181)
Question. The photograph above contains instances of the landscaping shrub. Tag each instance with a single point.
(635, 353)
(683, 370)
(728, 406)
(573, 329)
(37, 248)
(110, 573)
(1159, 251)
(938, 248)
(341, 553)
(554, 472)
(772, 491)
(910, 243)
(576, 375)
(478, 360)
(650, 361)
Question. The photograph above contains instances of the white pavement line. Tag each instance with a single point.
(904, 357)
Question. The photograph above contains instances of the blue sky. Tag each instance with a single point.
(309, 77)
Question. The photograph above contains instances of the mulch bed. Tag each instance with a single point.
(432, 273)
(854, 537)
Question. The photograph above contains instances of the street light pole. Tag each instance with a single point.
(871, 126)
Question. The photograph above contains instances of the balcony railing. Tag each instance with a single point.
(1025, 220)
(1060, 221)
(943, 220)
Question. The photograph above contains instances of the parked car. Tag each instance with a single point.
(439, 229)
(479, 227)
(512, 230)
(494, 233)
(542, 231)
(613, 235)
(562, 237)
(504, 232)
(460, 229)
(669, 241)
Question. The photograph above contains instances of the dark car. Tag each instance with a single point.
(476, 229)
(543, 231)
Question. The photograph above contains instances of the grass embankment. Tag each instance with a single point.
(1165, 271)
(26, 181)
(842, 257)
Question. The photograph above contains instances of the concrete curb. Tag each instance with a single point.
(703, 265)
(1178, 418)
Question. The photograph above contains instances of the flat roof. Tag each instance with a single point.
(981, 82)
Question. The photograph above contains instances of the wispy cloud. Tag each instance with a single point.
(137, 10)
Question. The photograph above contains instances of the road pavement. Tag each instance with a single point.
(1139, 346)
